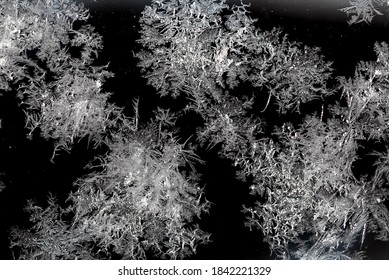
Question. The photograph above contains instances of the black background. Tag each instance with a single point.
(29, 174)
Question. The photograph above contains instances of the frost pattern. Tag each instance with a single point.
(363, 10)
